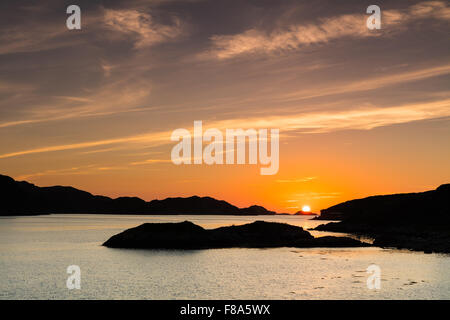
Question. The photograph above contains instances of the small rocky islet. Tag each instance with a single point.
(258, 234)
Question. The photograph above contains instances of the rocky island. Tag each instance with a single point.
(187, 235)
(305, 213)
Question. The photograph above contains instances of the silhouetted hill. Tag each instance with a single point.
(418, 221)
(405, 208)
(23, 198)
(192, 205)
(256, 210)
(186, 235)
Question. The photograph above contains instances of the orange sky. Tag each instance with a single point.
(360, 112)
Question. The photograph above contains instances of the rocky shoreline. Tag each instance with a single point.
(406, 237)
(415, 221)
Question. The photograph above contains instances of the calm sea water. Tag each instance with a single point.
(36, 251)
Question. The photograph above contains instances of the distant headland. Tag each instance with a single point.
(305, 213)
(23, 198)
(417, 221)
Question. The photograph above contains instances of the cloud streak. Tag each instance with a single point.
(319, 195)
(157, 138)
(143, 26)
(315, 122)
(368, 84)
(115, 97)
(355, 119)
(296, 36)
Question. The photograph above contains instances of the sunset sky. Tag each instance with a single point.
(360, 112)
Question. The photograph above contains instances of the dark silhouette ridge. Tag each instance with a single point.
(23, 198)
(186, 235)
(417, 221)
(305, 213)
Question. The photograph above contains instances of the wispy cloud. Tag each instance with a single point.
(157, 138)
(129, 94)
(360, 118)
(143, 26)
(102, 150)
(319, 195)
(64, 171)
(26, 39)
(29, 34)
(150, 161)
(327, 29)
(34, 35)
(122, 96)
(89, 169)
(375, 82)
(315, 122)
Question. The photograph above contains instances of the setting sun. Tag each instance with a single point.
(306, 209)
